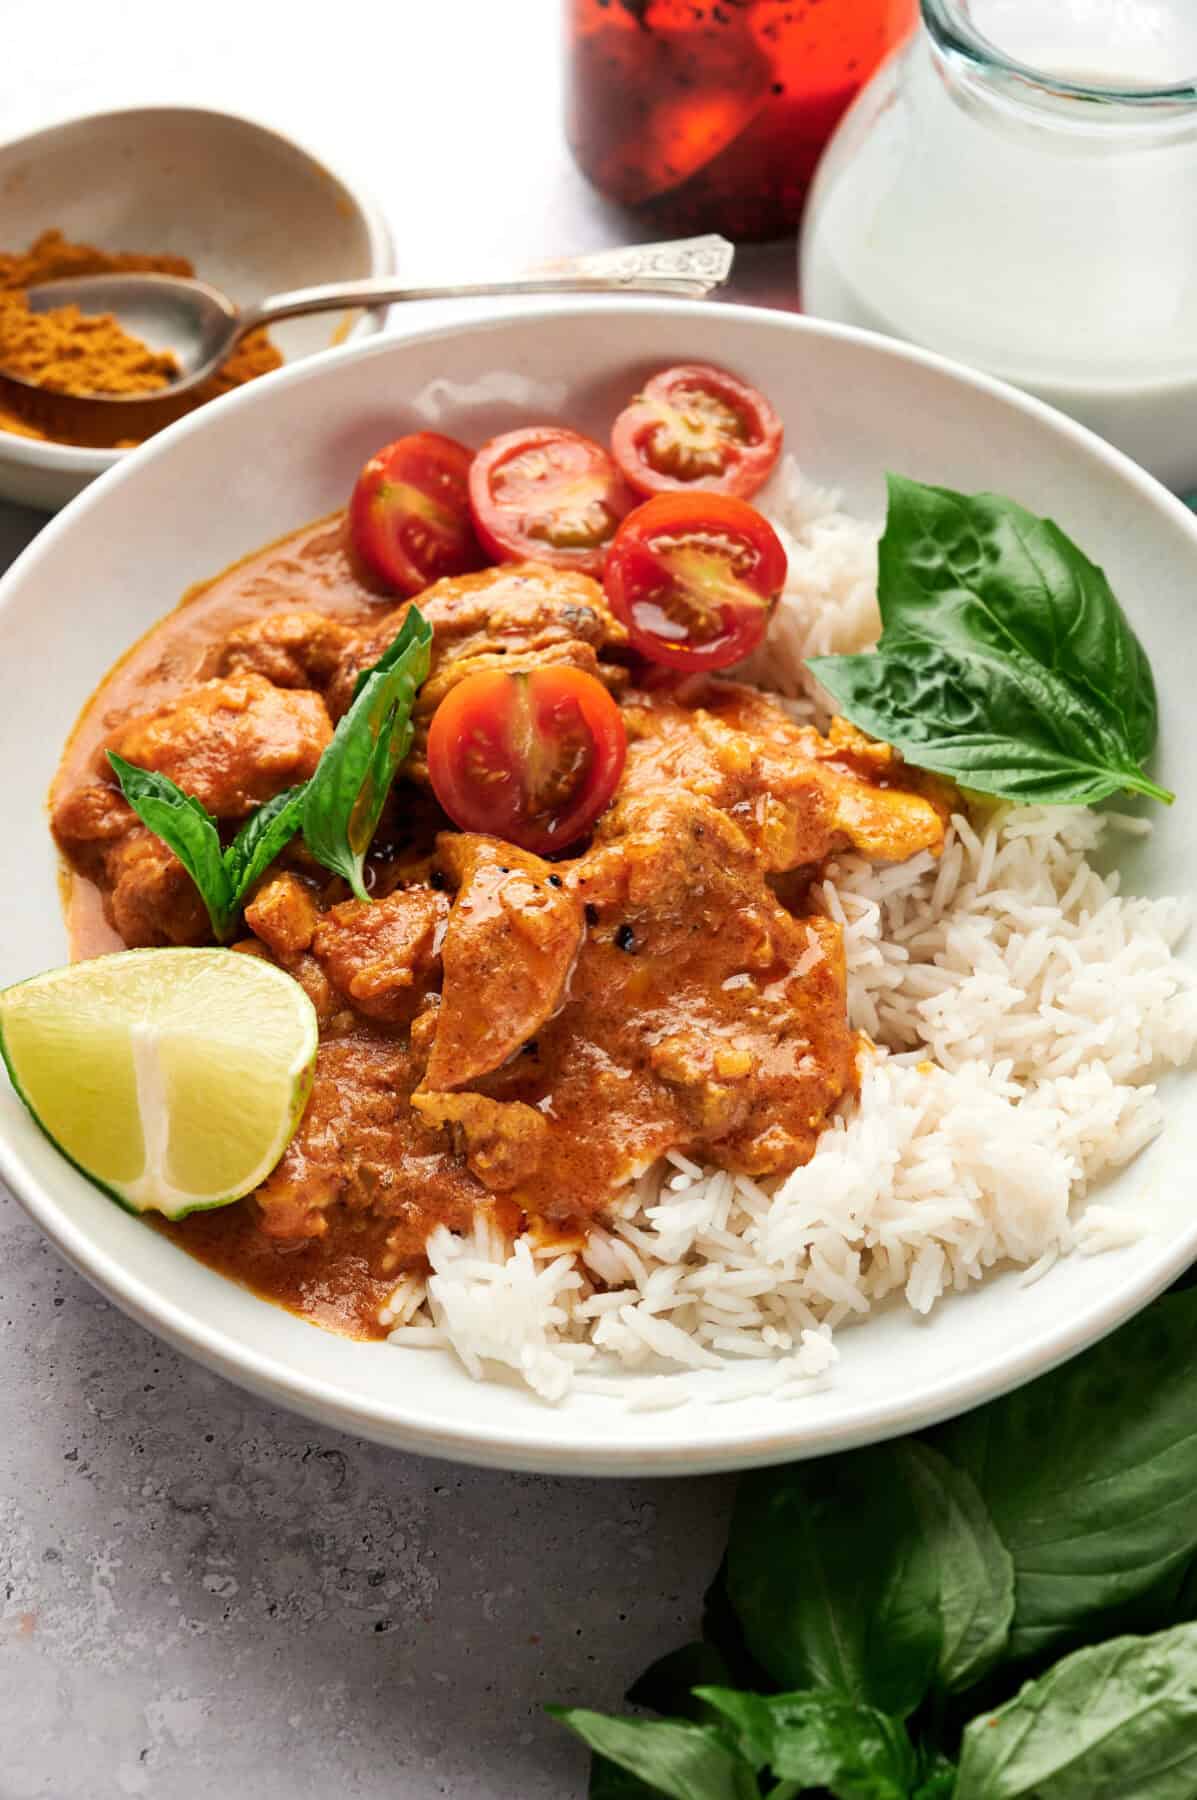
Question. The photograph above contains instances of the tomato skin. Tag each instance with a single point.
(547, 494)
(694, 577)
(533, 756)
(696, 426)
(409, 514)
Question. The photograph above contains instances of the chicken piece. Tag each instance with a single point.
(303, 968)
(360, 1145)
(284, 914)
(740, 1009)
(511, 943)
(384, 955)
(149, 898)
(523, 611)
(290, 649)
(797, 796)
(232, 743)
(88, 822)
(878, 801)
(504, 1140)
(699, 1016)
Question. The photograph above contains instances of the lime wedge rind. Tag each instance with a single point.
(95, 1180)
(151, 1064)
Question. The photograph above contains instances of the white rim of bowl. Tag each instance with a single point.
(77, 459)
(532, 1447)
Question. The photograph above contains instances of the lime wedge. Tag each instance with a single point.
(174, 1078)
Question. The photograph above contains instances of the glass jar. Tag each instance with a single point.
(709, 115)
(1019, 191)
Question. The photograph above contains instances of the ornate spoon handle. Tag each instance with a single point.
(690, 267)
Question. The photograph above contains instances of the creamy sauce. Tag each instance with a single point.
(336, 1285)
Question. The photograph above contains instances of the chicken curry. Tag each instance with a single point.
(502, 1031)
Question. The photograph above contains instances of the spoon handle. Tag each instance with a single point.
(690, 267)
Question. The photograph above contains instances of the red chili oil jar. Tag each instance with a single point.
(710, 115)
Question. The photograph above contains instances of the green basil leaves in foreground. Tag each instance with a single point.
(1089, 1476)
(1005, 661)
(223, 876)
(820, 1740)
(823, 1599)
(338, 809)
(687, 1762)
(897, 1599)
(879, 1575)
(1120, 1719)
(345, 797)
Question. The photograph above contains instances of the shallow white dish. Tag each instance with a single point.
(255, 212)
(266, 459)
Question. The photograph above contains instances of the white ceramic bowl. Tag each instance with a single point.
(262, 461)
(255, 213)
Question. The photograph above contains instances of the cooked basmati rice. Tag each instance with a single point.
(1019, 1006)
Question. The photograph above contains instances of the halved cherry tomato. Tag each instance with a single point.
(533, 756)
(547, 493)
(694, 578)
(697, 426)
(409, 516)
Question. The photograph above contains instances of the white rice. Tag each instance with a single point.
(1019, 1005)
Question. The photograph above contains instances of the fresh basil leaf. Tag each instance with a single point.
(822, 1741)
(1000, 725)
(1108, 1723)
(686, 1762)
(936, 1777)
(1089, 1475)
(964, 569)
(831, 1575)
(1005, 660)
(187, 828)
(413, 627)
(609, 1782)
(976, 1574)
(752, 1723)
(223, 876)
(345, 797)
(667, 1686)
(261, 838)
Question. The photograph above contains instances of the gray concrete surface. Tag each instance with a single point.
(201, 1596)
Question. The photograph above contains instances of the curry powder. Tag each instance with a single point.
(67, 351)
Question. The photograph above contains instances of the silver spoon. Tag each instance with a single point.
(200, 326)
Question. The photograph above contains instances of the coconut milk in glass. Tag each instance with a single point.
(1019, 190)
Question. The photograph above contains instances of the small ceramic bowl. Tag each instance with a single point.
(254, 211)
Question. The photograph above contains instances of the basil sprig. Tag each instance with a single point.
(223, 875)
(884, 1623)
(346, 795)
(1005, 660)
(337, 809)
